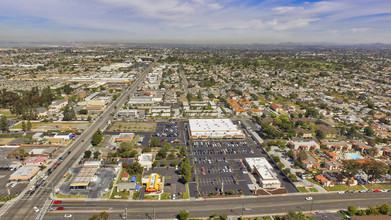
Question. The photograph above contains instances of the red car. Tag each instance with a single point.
(57, 202)
(376, 191)
(60, 208)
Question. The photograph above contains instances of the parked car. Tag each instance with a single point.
(308, 198)
(341, 192)
(36, 209)
(68, 215)
(376, 191)
(362, 191)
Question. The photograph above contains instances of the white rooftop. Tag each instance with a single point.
(212, 125)
(145, 157)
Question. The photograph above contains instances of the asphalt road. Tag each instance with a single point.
(23, 208)
(184, 80)
(266, 205)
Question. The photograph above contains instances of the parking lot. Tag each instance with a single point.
(219, 166)
(169, 132)
(15, 187)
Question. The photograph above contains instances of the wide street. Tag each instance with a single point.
(232, 207)
(23, 208)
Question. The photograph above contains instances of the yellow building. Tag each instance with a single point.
(153, 183)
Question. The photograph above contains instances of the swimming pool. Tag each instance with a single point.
(354, 156)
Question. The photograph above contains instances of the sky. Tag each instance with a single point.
(197, 21)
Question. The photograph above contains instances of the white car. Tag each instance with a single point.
(308, 198)
(68, 216)
(341, 192)
(383, 190)
(36, 209)
(117, 196)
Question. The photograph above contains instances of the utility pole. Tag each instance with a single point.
(153, 211)
(311, 206)
(243, 210)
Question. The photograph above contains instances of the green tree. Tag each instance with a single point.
(67, 89)
(174, 163)
(135, 168)
(28, 125)
(352, 210)
(154, 142)
(302, 155)
(374, 169)
(97, 138)
(372, 210)
(96, 154)
(384, 209)
(292, 215)
(320, 134)
(369, 131)
(223, 216)
(87, 154)
(69, 113)
(182, 152)
(183, 215)
(3, 123)
(350, 168)
(185, 170)
(125, 146)
(83, 111)
(24, 126)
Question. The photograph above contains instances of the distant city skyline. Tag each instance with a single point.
(197, 21)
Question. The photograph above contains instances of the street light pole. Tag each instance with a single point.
(312, 205)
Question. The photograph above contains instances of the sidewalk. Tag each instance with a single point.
(319, 188)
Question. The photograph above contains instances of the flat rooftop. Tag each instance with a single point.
(85, 176)
(24, 171)
(212, 125)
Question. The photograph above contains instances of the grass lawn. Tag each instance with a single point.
(343, 187)
(302, 189)
(6, 113)
(68, 178)
(133, 126)
(59, 195)
(378, 186)
(124, 195)
(186, 194)
(313, 181)
(135, 141)
(107, 195)
(165, 196)
(312, 189)
(151, 197)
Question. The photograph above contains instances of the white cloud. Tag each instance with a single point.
(359, 30)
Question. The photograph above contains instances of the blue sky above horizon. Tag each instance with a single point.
(198, 21)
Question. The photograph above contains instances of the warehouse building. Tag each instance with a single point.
(214, 128)
(262, 168)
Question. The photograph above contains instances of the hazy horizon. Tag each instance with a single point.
(197, 21)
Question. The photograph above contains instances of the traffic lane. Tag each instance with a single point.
(236, 208)
(255, 201)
